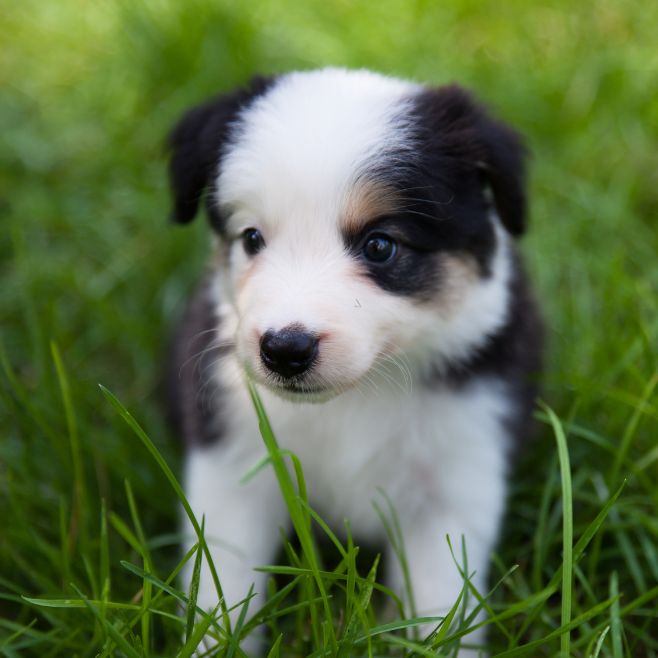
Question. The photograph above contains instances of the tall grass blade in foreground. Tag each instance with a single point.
(567, 530)
(125, 414)
(299, 515)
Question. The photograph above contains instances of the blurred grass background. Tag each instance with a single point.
(88, 92)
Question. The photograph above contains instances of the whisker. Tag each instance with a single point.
(214, 344)
(381, 369)
(405, 369)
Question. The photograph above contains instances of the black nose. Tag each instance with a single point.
(288, 352)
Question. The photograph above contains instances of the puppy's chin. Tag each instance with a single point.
(305, 389)
(304, 397)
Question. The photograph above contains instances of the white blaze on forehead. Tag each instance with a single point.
(303, 143)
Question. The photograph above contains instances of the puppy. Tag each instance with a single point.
(366, 278)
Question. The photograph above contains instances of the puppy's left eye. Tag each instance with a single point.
(252, 241)
(379, 248)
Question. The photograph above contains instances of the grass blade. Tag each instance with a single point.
(301, 520)
(615, 617)
(567, 530)
(200, 632)
(194, 590)
(155, 453)
(109, 628)
(78, 523)
(148, 566)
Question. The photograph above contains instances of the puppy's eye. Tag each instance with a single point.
(252, 241)
(379, 248)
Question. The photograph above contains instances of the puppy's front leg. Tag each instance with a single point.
(242, 522)
(464, 504)
(434, 573)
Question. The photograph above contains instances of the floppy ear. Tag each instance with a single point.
(196, 143)
(503, 165)
(458, 128)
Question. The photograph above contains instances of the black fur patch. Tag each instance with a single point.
(414, 269)
(193, 396)
(458, 152)
(196, 144)
(459, 144)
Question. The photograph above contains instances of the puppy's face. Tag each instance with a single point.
(358, 224)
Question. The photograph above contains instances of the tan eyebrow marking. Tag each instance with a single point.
(366, 200)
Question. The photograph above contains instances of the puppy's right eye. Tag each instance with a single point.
(252, 241)
(379, 248)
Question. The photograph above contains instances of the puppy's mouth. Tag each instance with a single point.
(299, 389)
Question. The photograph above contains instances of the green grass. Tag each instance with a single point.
(92, 276)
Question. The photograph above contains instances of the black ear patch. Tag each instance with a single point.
(460, 133)
(504, 168)
(196, 144)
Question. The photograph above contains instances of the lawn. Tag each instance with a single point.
(93, 275)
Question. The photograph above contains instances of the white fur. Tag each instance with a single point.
(302, 144)
(438, 454)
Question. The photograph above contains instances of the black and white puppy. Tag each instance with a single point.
(364, 261)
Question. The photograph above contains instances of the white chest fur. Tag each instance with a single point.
(430, 449)
(439, 456)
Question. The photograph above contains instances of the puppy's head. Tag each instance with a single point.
(362, 220)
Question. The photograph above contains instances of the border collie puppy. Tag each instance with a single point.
(365, 276)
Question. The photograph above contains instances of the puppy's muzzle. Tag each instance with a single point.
(290, 351)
